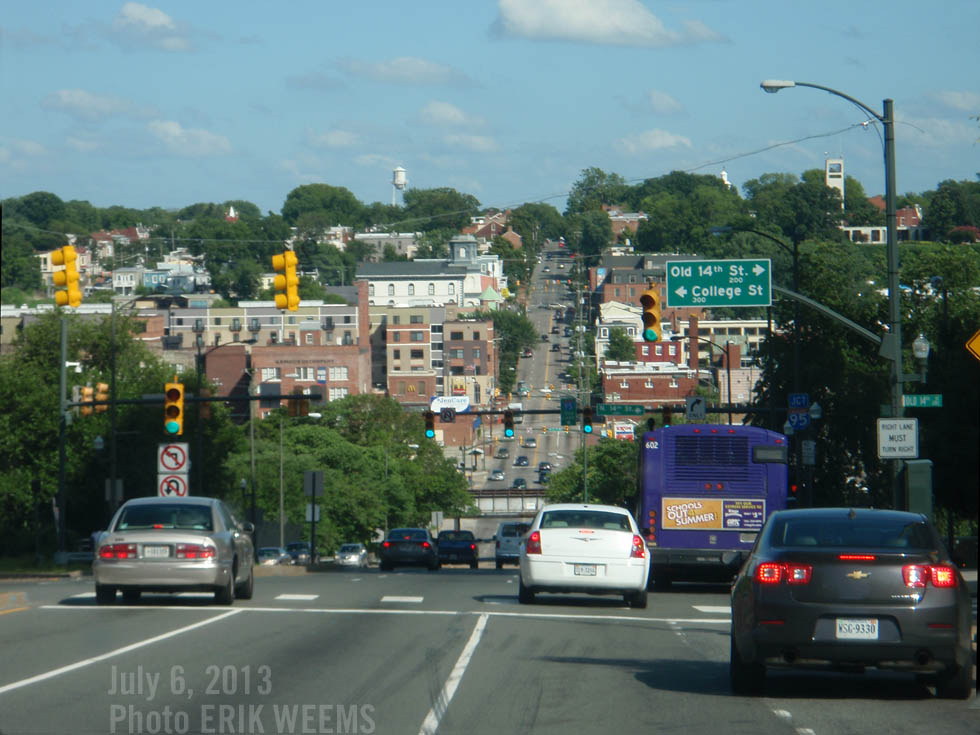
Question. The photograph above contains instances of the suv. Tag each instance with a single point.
(508, 543)
(503, 453)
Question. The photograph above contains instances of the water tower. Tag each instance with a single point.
(398, 182)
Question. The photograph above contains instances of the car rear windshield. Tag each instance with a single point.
(877, 534)
(456, 536)
(407, 534)
(585, 519)
(349, 548)
(514, 529)
(165, 515)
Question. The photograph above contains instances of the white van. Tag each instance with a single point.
(508, 542)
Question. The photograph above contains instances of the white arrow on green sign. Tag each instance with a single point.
(718, 283)
(619, 409)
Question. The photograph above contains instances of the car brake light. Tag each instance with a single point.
(473, 547)
(639, 549)
(195, 551)
(771, 572)
(424, 544)
(856, 557)
(117, 551)
(386, 544)
(919, 575)
(798, 573)
(768, 573)
(534, 543)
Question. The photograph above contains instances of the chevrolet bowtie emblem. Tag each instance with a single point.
(858, 574)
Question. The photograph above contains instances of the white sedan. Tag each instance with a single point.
(584, 548)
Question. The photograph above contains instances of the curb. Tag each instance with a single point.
(22, 576)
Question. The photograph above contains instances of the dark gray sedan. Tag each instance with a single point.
(849, 589)
(174, 545)
(408, 547)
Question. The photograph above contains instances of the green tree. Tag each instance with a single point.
(336, 204)
(439, 209)
(594, 188)
(858, 210)
(621, 347)
(612, 466)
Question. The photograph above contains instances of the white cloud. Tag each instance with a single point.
(652, 140)
(188, 141)
(965, 101)
(333, 139)
(475, 143)
(373, 160)
(444, 113)
(404, 70)
(28, 147)
(615, 22)
(143, 18)
(137, 25)
(935, 132)
(83, 145)
(88, 106)
(662, 103)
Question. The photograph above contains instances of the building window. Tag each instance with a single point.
(645, 350)
(456, 354)
(396, 336)
(337, 393)
(417, 354)
(671, 350)
(270, 373)
(432, 289)
(603, 333)
(396, 354)
(421, 387)
(648, 383)
(418, 336)
(673, 382)
(411, 289)
(391, 289)
(452, 289)
(456, 336)
(370, 289)
(304, 373)
(476, 353)
(476, 336)
(415, 319)
(338, 372)
(309, 338)
(659, 350)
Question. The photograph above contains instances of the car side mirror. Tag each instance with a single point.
(247, 527)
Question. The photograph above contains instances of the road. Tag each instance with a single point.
(414, 652)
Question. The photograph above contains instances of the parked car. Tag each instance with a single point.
(496, 475)
(352, 555)
(408, 547)
(527, 353)
(833, 588)
(521, 461)
(503, 453)
(299, 551)
(458, 547)
(555, 330)
(520, 483)
(272, 555)
(507, 541)
(171, 545)
(584, 548)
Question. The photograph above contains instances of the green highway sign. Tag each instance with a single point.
(569, 411)
(619, 409)
(718, 283)
(926, 400)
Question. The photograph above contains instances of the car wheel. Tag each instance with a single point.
(474, 564)
(225, 594)
(637, 600)
(384, 566)
(500, 565)
(131, 596)
(245, 589)
(955, 684)
(746, 679)
(104, 595)
(524, 595)
(435, 566)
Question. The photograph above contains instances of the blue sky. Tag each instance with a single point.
(169, 103)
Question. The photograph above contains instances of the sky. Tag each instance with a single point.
(175, 102)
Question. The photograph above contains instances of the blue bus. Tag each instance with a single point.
(705, 491)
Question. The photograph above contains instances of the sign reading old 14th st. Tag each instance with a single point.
(717, 283)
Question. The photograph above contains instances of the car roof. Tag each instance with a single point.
(823, 514)
(585, 506)
(167, 500)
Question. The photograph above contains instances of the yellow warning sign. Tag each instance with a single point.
(973, 344)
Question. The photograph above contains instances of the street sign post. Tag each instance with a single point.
(619, 409)
(719, 283)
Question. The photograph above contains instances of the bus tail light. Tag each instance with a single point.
(639, 550)
(533, 543)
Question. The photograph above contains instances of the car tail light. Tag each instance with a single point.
(424, 544)
(117, 551)
(919, 575)
(386, 544)
(195, 551)
(771, 572)
(639, 550)
(472, 547)
(498, 543)
(856, 557)
(534, 543)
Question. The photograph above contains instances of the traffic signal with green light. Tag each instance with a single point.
(650, 301)
(286, 281)
(101, 394)
(88, 395)
(173, 409)
(67, 278)
(508, 423)
(586, 419)
(430, 425)
(668, 415)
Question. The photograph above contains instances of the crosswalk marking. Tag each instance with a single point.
(395, 598)
(720, 609)
(302, 598)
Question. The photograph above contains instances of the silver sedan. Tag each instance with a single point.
(174, 545)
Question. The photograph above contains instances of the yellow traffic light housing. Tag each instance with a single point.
(430, 425)
(101, 394)
(173, 409)
(88, 395)
(66, 278)
(650, 302)
(508, 423)
(286, 282)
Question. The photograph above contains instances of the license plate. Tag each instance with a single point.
(585, 570)
(859, 629)
(156, 551)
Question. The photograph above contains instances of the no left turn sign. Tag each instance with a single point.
(172, 458)
(172, 486)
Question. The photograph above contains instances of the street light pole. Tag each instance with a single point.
(891, 346)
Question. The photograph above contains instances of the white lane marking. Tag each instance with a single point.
(303, 598)
(82, 596)
(116, 652)
(431, 722)
(783, 714)
(724, 609)
(396, 598)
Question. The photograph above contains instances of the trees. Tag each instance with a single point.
(612, 466)
(336, 205)
(593, 189)
(621, 347)
(442, 208)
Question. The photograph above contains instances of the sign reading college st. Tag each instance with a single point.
(719, 283)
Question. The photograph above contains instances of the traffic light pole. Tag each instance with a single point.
(62, 437)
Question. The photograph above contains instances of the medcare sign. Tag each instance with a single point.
(718, 283)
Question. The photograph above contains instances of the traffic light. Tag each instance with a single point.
(586, 419)
(650, 301)
(67, 278)
(286, 282)
(651, 424)
(668, 415)
(508, 423)
(430, 425)
(101, 394)
(173, 409)
(88, 395)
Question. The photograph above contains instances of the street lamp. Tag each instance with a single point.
(891, 344)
